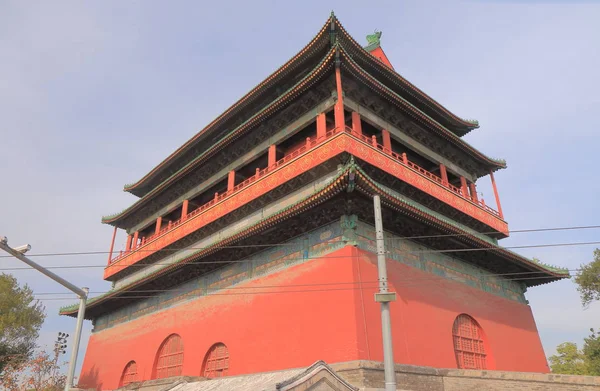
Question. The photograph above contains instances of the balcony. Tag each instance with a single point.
(364, 147)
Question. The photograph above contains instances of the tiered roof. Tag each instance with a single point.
(350, 179)
(331, 42)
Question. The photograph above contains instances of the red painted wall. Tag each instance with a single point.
(425, 310)
(335, 323)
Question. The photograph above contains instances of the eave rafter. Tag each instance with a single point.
(351, 66)
(350, 178)
(331, 33)
(252, 95)
(463, 126)
(310, 79)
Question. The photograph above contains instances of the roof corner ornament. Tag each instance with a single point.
(332, 30)
(375, 38)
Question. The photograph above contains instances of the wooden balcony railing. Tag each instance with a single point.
(310, 143)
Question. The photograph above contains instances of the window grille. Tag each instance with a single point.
(129, 374)
(169, 360)
(216, 363)
(468, 343)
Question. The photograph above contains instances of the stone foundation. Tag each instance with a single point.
(368, 376)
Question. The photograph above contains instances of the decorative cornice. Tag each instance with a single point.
(351, 172)
(335, 29)
(387, 93)
(291, 93)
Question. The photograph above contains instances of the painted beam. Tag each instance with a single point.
(283, 135)
(403, 138)
(339, 143)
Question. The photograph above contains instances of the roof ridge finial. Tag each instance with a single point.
(375, 38)
(332, 15)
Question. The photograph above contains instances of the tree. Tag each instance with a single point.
(21, 317)
(41, 373)
(591, 351)
(568, 360)
(588, 280)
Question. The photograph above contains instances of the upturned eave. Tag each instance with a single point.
(304, 83)
(349, 179)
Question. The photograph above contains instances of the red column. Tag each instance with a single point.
(496, 195)
(321, 127)
(338, 110)
(387, 140)
(112, 245)
(444, 174)
(134, 242)
(158, 224)
(184, 209)
(231, 180)
(473, 192)
(272, 156)
(463, 186)
(128, 243)
(356, 124)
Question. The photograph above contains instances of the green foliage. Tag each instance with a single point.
(21, 317)
(588, 280)
(591, 351)
(569, 360)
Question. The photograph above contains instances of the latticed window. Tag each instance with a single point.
(468, 343)
(216, 363)
(129, 374)
(169, 359)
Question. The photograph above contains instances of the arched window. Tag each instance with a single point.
(216, 362)
(169, 359)
(129, 374)
(468, 343)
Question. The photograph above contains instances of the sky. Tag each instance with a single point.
(94, 94)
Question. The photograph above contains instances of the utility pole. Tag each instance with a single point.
(384, 297)
(59, 348)
(18, 252)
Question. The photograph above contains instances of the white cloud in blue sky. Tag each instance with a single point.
(93, 95)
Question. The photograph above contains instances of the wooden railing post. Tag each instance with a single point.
(356, 124)
(338, 109)
(473, 192)
(463, 187)
(112, 245)
(158, 225)
(272, 157)
(231, 180)
(321, 126)
(496, 195)
(387, 140)
(444, 174)
(184, 209)
(134, 243)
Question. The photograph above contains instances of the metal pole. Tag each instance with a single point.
(82, 293)
(60, 280)
(76, 339)
(384, 298)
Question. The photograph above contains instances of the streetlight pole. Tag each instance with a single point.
(384, 297)
(82, 293)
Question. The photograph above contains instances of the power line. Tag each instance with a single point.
(319, 257)
(274, 292)
(527, 276)
(294, 244)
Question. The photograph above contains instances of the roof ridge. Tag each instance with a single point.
(157, 188)
(347, 168)
(501, 163)
(241, 101)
